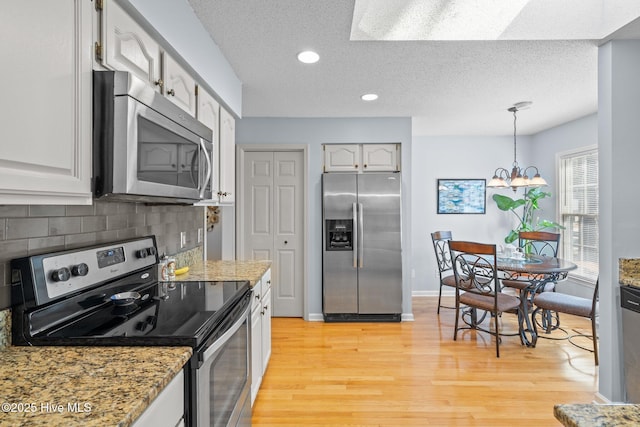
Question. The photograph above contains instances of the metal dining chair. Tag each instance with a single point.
(541, 243)
(440, 241)
(478, 287)
(570, 304)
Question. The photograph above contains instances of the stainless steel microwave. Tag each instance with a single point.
(146, 148)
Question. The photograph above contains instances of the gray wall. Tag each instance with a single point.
(477, 157)
(29, 230)
(457, 157)
(314, 133)
(619, 151)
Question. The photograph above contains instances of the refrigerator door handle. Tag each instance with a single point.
(354, 243)
(361, 235)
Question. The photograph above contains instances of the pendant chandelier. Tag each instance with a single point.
(518, 177)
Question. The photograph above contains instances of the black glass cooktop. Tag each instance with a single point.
(166, 313)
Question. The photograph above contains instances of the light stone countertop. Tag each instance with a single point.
(629, 271)
(592, 415)
(83, 386)
(226, 270)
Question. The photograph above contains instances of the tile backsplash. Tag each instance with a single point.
(29, 230)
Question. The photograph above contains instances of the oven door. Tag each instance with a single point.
(223, 378)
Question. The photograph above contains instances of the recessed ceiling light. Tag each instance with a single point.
(308, 57)
(369, 97)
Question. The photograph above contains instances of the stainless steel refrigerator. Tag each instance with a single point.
(362, 251)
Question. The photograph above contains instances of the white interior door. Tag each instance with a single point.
(273, 222)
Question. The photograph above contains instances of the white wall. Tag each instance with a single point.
(315, 132)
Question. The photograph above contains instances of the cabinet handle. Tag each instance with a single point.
(285, 242)
(355, 166)
(365, 165)
(171, 92)
(159, 82)
(269, 282)
(257, 296)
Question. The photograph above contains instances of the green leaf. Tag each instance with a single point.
(511, 237)
(506, 203)
(544, 223)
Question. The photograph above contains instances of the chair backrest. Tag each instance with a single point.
(440, 241)
(539, 242)
(474, 266)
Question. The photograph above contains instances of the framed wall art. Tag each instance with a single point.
(462, 196)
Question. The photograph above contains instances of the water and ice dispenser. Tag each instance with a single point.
(339, 234)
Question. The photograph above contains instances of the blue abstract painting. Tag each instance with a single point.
(461, 196)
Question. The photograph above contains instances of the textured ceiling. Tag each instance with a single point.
(448, 87)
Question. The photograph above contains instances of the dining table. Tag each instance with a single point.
(538, 271)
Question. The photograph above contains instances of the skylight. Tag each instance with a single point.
(490, 19)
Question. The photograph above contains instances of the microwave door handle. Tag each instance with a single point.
(209, 167)
(194, 158)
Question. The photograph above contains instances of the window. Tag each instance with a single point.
(578, 200)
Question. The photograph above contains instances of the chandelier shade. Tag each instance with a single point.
(518, 177)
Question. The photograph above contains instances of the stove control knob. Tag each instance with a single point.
(80, 269)
(141, 326)
(61, 275)
(143, 253)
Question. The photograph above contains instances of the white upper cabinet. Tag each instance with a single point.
(380, 157)
(226, 189)
(361, 157)
(179, 86)
(342, 158)
(126, 46)
(46, 114)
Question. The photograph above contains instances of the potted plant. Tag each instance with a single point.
(527, 221)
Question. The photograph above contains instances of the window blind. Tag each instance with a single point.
(579, 211)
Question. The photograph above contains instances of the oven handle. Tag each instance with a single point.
(217, 344)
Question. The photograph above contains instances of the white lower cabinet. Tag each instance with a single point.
(260, 332)
(167, 409)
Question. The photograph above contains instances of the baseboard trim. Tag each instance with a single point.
(445, 293)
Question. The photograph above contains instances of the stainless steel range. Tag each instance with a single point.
(109, 295)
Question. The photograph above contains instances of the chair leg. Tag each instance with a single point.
(455, 326)
(595, 339)
(439, 297)
(495, 316)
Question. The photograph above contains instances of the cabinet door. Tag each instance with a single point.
(266, 329)
(179, 86)
(167, 409)
(342, 158)
(45, 115)
(226, 191)
(266, 281)
(380, 157)
(256, 351)
(127, 46)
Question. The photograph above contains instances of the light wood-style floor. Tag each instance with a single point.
(414, 374)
